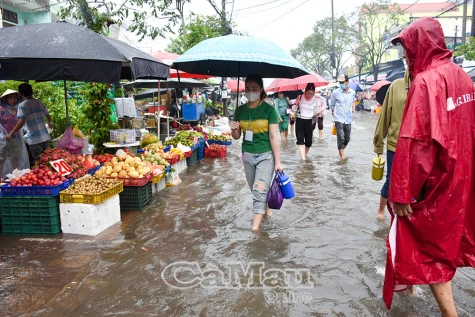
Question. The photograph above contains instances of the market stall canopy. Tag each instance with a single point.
(233, 85)
(149, 93)
(298, 83)
(63, 51)
(332, 85)
(170, 83)
(239, 56)
(169, 58)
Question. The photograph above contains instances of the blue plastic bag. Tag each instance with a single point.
(275, 198)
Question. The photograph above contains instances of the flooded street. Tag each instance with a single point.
(329, 229)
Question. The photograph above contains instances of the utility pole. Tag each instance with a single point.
(224, 25)
(464, 22)
(332, 54)
(472, 31)
(455, 38)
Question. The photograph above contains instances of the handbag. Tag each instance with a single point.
(275, 197)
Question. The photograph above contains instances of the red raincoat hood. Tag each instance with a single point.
(424, 43)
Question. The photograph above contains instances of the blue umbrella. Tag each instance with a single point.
(239, 56)
(355, 87)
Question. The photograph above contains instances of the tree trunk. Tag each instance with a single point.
(375, 72)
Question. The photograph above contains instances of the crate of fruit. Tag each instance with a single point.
(216, 151)
(135, 181)
(123, 136)
(91, 190)
(8, 190)
(93, 170)
(157, 178)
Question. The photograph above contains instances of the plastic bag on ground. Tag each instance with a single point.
(69, 142)
(275, 198)
(172, 179)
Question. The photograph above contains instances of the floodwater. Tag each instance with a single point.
(328, 232)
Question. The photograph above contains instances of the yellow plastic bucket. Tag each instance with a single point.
(377, 172)
(334, 129)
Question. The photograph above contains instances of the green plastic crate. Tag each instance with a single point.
(28, 228)
(135, 197)
(190, 161)
(29, 206)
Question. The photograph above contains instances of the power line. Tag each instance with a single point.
(297, 7)
(258, 5)
(449, 9)
(260, 11)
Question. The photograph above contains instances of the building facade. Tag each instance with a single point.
(23, 12)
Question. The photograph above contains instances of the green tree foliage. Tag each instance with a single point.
(52, 95)
(199, 28)
(97, 110)
(379, 21)
(467, 50)
(315, 50)
(142, 14)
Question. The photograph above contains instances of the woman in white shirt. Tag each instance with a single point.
(307, 108)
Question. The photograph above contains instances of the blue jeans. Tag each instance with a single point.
(389, 159)
(259, 169)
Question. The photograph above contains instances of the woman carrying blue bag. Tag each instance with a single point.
(258, 123)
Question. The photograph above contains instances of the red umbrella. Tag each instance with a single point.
(377, 85)
(169, 58)
(233, 83)
(299, 83)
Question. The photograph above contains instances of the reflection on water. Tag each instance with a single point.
(329, 228)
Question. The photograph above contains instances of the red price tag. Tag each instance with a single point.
(61, 167)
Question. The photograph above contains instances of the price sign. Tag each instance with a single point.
(225, 94)
(61, 167)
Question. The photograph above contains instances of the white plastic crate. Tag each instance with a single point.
(161, 185)
(122, 136)
(180, 166)
(87, 219)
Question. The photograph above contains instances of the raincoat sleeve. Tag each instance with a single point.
(416, 150)
(383, 123)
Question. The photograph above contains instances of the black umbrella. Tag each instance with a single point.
(170, 83)
(381, 93)
(63, 51)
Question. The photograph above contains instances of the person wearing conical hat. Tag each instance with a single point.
(14, 153)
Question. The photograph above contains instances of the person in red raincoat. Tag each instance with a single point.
(432, 190)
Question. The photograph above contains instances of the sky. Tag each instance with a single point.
(284, 22)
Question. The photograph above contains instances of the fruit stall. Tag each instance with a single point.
(85, 194)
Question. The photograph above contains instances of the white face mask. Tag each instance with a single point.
(253, 96)
(318, 94)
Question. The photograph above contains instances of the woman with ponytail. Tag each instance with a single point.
(258, 123)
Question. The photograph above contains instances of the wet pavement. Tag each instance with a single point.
(328, 232)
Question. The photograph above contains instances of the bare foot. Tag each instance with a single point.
(380, 216)
(410, 289)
